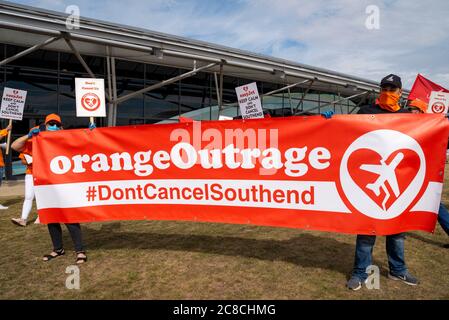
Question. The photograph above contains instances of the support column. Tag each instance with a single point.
(221, 88)
(109, 78)
(114, 93)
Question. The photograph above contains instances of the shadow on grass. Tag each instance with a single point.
(11, 202)
(305, 250)
(426, 240)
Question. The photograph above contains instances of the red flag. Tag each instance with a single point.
(422, 89)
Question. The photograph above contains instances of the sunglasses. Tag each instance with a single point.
(54, 123)
(414, 110)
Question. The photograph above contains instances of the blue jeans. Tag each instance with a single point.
(443, 218)
(364, 252)
(2, 170)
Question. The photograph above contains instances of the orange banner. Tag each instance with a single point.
(361, 174)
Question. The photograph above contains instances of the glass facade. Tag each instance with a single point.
(49, 78)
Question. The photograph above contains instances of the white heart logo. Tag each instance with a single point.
(385, 143)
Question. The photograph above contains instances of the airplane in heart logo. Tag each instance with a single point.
(380, 154)
(90, 101)
(438, 107)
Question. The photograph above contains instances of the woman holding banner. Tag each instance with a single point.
(52, 122)
(3, 133)
(24, 145)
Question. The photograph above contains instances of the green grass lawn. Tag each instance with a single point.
(187, 260)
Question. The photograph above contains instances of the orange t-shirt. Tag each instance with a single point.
(27, 151)
(3, 133)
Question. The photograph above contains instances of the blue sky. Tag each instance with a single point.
(413, 36)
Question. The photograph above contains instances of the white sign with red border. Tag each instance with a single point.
(13, 103)
(438, 102)
(249, 101)
(90, 97)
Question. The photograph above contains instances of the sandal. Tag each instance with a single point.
(81, 257)
(54, 254)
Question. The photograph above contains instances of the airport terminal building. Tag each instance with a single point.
(151, 77)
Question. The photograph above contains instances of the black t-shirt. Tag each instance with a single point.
(375, 109)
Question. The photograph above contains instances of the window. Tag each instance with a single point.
(162, 103)
(70, 63)
(195, 93)
(41, 86)
(40, 59)
(66, 98)
(133, 107)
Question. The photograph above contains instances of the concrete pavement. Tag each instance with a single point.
(14, 188)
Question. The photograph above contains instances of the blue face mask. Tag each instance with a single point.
(53, 128)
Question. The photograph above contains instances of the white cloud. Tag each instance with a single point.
(413, 35)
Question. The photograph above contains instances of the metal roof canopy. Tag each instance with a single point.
(28, 26)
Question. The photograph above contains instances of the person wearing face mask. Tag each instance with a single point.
(388, 102)
(53, 123)
(418, 106)
(24, 146)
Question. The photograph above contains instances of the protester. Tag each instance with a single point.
(3, 133)
(52, 123)
(388, 102)
(27, 160)
(418, 106)
(443, 220)
(29, 188)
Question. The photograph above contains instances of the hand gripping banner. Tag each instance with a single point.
(361, 174)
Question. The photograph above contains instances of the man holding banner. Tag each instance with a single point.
(388, 102)
(3, 133)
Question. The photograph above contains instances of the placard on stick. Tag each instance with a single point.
(438, 102)
(90, 97)
(13, 103)
(249, 101)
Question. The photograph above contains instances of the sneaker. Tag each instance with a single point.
(446, 246)
(19, 222)
(406, 278)
(3, 207)
(354, 283)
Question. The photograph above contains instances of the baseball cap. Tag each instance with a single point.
(53, 117)
(419, 104)
(392, 80)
